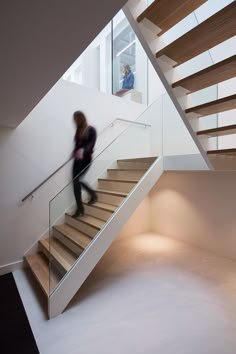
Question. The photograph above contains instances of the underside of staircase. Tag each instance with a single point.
(69, 240)
(37, 42)
(149, 24)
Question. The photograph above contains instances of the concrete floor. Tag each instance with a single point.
(149, 294)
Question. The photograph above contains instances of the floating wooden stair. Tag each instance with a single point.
(228, 152)
(217, 106)
(165, 13)
(215, 30)
(220, 131)
(212, 75)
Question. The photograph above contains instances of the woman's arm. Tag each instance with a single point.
(90, 141)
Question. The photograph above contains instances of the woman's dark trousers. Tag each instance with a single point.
(80, 167)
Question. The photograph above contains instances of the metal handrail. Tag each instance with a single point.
(44, 181)
(65, 163)
(132, 122)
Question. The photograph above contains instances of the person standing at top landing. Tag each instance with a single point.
(84, 142)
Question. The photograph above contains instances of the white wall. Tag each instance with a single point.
(198, 208)
(38, 147)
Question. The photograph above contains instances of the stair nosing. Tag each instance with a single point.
(116, 194)
(139, 159)
(126, 169)
(118, 180)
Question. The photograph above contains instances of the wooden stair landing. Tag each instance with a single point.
(165, 13)
(217, 106)
(220, 131)
(215, 30)
(212, 75)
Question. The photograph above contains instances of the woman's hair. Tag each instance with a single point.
(81, 123)
(127, 68)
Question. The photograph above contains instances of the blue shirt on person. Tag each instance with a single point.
(128, 81)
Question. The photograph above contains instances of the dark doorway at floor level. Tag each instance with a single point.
(15, 334)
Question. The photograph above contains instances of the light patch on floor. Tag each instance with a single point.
(148, 295)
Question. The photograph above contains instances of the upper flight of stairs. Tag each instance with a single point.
(166, 14)
(69, 239)
(158, 18)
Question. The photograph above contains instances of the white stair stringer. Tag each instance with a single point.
(73, 280)
(150, 43)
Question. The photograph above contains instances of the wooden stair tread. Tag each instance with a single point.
(229, 152)
(212, 75)
(165, 13)
(220, 131)
(139, 159)
(220, 105)
(124, 180)
(118, 194)
(103, 206)
(92, 221)
(127, 169)
(215, 30)
(39, 265)
(59, 252)
(79, 238)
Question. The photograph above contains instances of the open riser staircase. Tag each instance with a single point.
(149, 24)
(63, 263)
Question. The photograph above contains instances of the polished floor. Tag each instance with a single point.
(148, 295)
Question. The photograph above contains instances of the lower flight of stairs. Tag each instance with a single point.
(71, 238)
